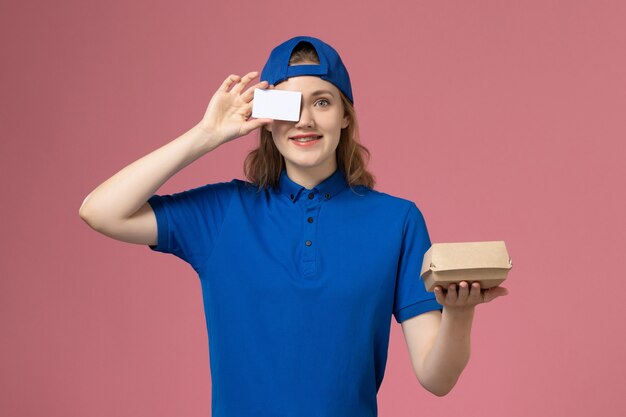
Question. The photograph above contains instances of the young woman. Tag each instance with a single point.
(303, 265)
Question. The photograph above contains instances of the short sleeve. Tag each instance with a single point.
(411, 297)
(189, 222)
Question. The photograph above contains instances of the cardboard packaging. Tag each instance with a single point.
(485, 262)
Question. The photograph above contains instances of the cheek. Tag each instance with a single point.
(278, 139)
(336, 120)
(278, 130)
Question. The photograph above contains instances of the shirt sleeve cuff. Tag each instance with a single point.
(417, 309)
(162, 230)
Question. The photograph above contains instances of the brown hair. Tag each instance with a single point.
(264, 164)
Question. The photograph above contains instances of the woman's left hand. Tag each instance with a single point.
(465, 297)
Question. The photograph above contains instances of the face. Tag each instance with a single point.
(321, 115)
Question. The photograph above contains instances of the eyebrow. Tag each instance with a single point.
(320, 92)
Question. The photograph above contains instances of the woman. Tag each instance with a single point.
(303, 265)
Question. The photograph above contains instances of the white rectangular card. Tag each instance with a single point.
(276, 104)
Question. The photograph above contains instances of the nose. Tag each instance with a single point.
(306, 118)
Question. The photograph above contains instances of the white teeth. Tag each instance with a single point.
(307, 139)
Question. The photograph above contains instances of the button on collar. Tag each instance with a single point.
(328, 188)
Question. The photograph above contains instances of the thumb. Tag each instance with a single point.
(250, 125)
(495, 292)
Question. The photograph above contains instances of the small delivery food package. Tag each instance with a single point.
(485, 262)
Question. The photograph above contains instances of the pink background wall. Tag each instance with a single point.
(502, 120)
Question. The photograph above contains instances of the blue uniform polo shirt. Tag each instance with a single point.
(299, 287)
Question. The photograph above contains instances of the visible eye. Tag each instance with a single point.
(323, 100)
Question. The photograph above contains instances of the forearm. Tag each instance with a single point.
(124, 193)
(450, 352)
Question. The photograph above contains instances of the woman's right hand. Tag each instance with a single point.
(228, 115)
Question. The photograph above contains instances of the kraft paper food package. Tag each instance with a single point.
(485, 262)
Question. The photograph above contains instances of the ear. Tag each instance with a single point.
(345, 122)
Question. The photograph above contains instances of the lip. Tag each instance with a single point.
(305, 135)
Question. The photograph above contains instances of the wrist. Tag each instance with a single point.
(205, 137)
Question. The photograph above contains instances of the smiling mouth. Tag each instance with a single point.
(306, 138)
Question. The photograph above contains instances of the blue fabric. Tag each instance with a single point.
(297, 329)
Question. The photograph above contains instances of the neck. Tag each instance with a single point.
(309, 178)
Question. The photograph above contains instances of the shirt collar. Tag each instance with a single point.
(325, 190)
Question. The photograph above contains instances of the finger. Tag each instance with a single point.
(463, 292)
(252, 124)
(475, 295)
(238, 88)
(232, 78)
(451, 296)
(247, 114)
(439, 295)
(249, 94)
